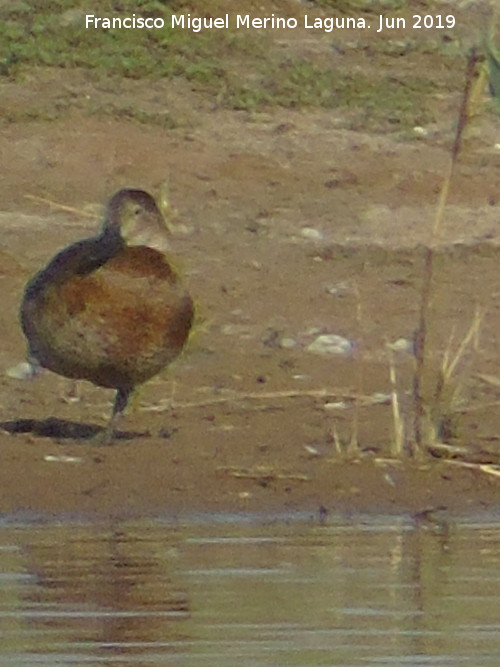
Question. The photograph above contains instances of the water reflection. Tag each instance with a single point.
(358, 592)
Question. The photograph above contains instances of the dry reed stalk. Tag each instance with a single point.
(353, 448)
(425, 295)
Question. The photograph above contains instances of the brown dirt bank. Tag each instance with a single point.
(245, 420)
(181, 475)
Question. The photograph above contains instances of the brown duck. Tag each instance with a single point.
(110, 309)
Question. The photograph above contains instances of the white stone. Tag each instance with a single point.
(401, 345)
(330, 344)
(288, 343)
(311, 233)
(22, 371)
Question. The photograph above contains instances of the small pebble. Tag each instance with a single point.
(389, 480)
(340, 289)
(420, 131)
(330, 344)
(311, 233)
(401, 345)
(380, 397)
(22, 371)
(288, 343)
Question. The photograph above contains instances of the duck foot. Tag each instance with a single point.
(108, 435)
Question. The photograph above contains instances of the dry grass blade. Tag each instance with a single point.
(449, 366)
(336, 441)
(488, 468)
(266, 396)
(445, 401)
(397, 444)
(61, 207)
(492, 380)
(262, 474)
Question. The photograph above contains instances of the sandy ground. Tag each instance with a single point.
(292, 226)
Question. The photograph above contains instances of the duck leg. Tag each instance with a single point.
(105, 437)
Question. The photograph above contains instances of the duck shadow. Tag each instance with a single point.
(62, 429)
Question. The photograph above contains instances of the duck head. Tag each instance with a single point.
(134, 217)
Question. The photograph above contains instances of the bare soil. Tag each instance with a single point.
(292, 225)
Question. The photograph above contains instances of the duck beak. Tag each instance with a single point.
(150, 238)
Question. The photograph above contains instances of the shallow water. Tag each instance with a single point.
(250, 593)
